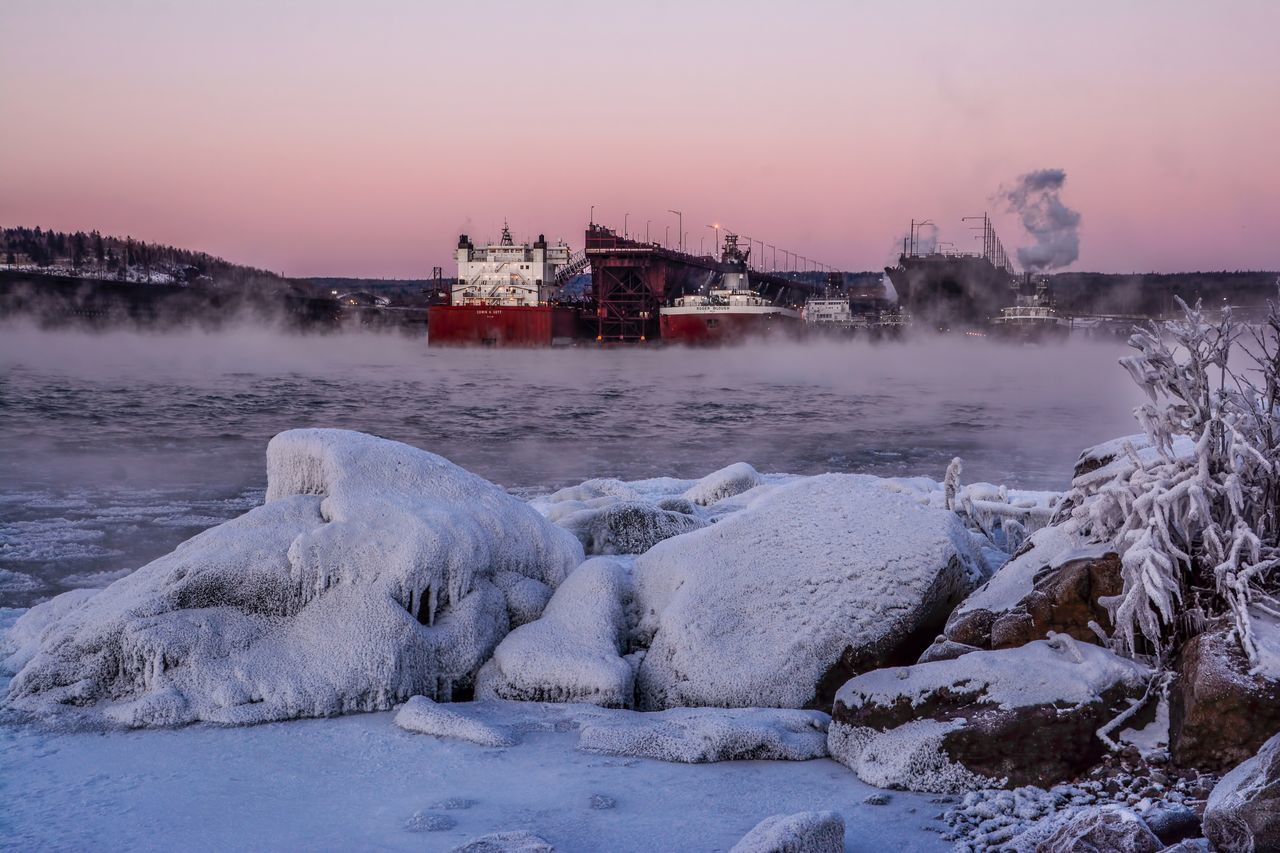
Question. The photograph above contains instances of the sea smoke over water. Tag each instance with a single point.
(1055, 227)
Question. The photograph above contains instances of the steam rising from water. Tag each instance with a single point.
(115, 447)
(1055, 227)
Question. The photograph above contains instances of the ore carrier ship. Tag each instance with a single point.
(508, 294)
(953, 290)
(729, 313)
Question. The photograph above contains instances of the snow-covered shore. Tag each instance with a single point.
(361, 782)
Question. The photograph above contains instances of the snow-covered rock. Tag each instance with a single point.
(627, 527)
(775, 603)
(1243, 811)
(1015, 716)
(1052, 583)
(698, 735)
(803, 832)
(574, 653)
(728, 482)
(1221, 712)
(367, 577)
(513, 841)
(423, 716)
(1110, 828)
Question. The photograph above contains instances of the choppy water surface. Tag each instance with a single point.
(115, 447)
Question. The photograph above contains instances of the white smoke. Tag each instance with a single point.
(1055, 227)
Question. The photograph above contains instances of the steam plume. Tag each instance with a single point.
(1055, 227)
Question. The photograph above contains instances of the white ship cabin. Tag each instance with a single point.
(508, 273)
(829, 311)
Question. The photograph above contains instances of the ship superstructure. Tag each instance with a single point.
(509, 273)
(1032, 316)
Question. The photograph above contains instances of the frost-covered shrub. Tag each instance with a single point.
(1195, 522)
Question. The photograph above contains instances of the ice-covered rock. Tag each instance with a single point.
(803, 832)
(574, 653)
(699, 735)
(726, 483)
(423, 716)
(1110, 828)
(513, 841)
(1220, 712)
(1053, 583)
(367, 577)
(1016, 716)
(1243, 811)
(627, 527)
(777, 603)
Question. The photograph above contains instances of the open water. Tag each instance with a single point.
(116, 447)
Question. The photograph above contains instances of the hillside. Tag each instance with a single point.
(96, 256)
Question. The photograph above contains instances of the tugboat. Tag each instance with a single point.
(730, 313)
(1032, 317)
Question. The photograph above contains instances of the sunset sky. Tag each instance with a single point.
(359, 138)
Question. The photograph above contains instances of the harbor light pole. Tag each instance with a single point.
(625, 217)
(646, 229)
(679, 226)
(592, 218)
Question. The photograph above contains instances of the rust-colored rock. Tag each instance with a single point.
(1063, 600)
(1219, 714)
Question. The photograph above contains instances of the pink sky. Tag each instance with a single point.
(359, 138)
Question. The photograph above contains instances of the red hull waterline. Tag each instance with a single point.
(711, 329)
(500, 326)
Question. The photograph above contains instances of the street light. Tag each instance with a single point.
(679, 227)
(915, 229)
(716, 227)
(773, 267)
(592, 218)
(625, 216)
(646, 229)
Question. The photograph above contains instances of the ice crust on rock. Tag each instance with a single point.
(803, 832)
(574, 653)
(513, 841)
(423, 716)
(728, 482)
(627, 527)
(910, 757)
(1039, 673)
(699, 735)
(367, 577)
(756, 609)
(983, 719)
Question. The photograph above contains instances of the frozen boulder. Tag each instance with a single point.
(367, 577)
(777, 604)
(423, 716)
(1053, 583)
(1024, 716)
(1110, 828)
(627, 527)
(698, 735)
(574, 653)
(803, 832)
(1220, 712)
(514, 841)
(728, 482)
(1243, 811)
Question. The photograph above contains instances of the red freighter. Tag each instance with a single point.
(506, 295)
(728, 314)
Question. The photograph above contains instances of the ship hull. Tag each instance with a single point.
(706, 328)
(1030, 331)
(500, 325)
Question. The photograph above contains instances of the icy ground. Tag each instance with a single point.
(361, 782)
